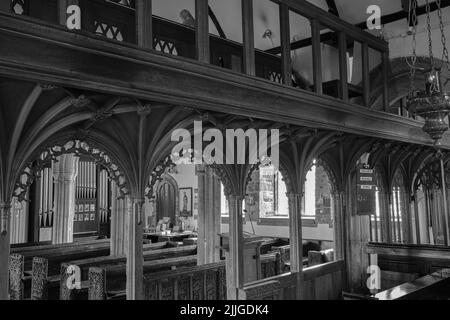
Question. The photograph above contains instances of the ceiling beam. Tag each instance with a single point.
(216, 23)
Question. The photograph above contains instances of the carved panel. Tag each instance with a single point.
(183, 284)
(151, 290)
(165, 46)
(166, 289)
(39, 279)
(97, 284)
(107, 30)
(266, 291)
(16, 267)
(64, 292)
(197, 287)
(211, 285)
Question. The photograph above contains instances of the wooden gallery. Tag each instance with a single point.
(98, 98)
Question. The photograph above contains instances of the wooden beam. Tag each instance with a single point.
(365, 74)
(216, 23)
(317, 56)
(343, 75)
(248, 37)
(202, 30)
(144, 25)
(118, 69)
(286, 65)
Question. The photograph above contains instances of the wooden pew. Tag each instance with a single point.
(149, 255)
(51, 276)
(320, 257)
(435, 286)
(153, 259)
(390, 279)
(56, 254)
(194, 282)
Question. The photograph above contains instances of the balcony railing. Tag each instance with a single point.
(134, 22)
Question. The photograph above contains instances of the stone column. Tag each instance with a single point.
(64, 173)
(135, 259)
(295, 201)
(235, 278)
(5, 208)
(208, 216)
(118, 222)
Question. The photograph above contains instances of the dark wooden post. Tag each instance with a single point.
(144, 27)
(202, 31)
(365, 73)
(248, 37)
(317, 55)
(286, 65)
(343, 87)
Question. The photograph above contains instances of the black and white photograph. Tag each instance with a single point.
(225, 156)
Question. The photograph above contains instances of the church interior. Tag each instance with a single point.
(94, 207)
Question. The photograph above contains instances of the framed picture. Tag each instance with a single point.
(185, 200)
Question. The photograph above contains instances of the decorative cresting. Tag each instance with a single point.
(432, 104)
(429, 177)
(76, 147)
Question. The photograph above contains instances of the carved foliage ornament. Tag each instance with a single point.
(50, 155)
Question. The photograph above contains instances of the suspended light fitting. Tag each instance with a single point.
(431, 103)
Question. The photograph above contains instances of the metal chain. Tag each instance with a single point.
(430, 41)
(413, 17)
(445, 56)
